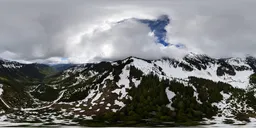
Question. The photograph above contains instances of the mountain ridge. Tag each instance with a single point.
(110, 91)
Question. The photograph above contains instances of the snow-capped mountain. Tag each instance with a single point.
(195, 89)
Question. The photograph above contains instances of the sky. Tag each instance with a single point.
(81, 31)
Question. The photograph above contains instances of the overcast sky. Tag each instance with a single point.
(82, 31)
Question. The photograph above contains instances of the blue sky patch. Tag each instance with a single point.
(158, 28)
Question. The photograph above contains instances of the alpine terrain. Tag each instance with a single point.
(194, 90)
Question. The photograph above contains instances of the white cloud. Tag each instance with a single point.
(8, 54)
(129, 38)
(85, 31)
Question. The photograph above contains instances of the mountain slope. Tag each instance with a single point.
(16, 79)
(62, 67)
(195, 89)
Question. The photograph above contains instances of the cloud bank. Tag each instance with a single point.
(78, 31)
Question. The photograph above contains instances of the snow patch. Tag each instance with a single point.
(223, 106)
(123, 83)
(119, 103)
(96, 98)
(11, 66)
(1, 89)
(136, 82)
(170, 95)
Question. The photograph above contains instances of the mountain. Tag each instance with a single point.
(196, 89)
(61, 67)
(15, 78)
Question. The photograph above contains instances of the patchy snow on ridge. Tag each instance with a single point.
(237, 62)
(240, 80)
(77, 69)
(142, 65)
(223, 105)
(11, 66)
(226, 106)
(123, 83)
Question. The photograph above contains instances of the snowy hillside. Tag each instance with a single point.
(194, 90)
